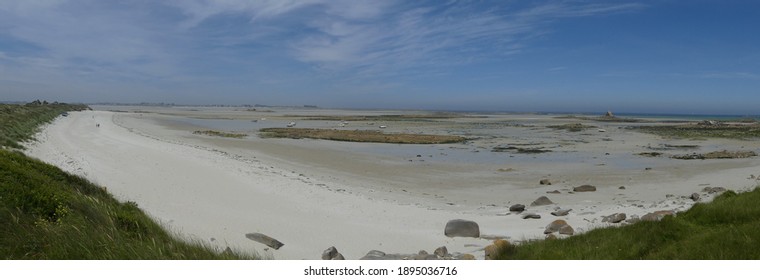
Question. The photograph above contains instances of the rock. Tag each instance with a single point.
(517, 208)
(462, 228)
(492, 251)
(545, 182)
(423, 255)
(561, 212)
(330, 253)
(339, 257)
(614, 218)
(374, 255)
(550, 236)
(657, 215)
(266, 240)
(542, 201)
(566, 230)
(531, 216)
(585, 188)
(467, 257)
(554, 226)
(441, 252)
(554, 192)
(712, 190)
(227, 251)
(694, 196)
(621, 187)
(633, 219)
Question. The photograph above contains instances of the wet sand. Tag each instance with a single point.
(313, 194)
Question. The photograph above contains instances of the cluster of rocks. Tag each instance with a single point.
(440, 253)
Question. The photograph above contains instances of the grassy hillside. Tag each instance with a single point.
(46, 213)
(727, 228)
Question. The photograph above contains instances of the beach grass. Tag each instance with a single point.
(359, 136)
(18, 123)
(695, 131)
(46, 213)
(728, 228)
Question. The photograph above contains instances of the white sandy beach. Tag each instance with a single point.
(311, 194)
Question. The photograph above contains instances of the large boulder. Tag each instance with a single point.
(266, 240)
(541, 201)
(585, 188)
(554, 226)
(462, 228)
(614, 218)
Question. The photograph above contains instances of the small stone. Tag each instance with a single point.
(517, 208)
(542, 201)
(467, 257)
(339, 257)
(555, 226)
(561, 212)
(462, 228)
(330, 253)
(441, 252)
(694, 197)
(531, 216)
(554, 192)
(585, 188)
(545, 182)
(622, 187)
(266, 240)
(614, 218)
(551, 236)
(374, 255)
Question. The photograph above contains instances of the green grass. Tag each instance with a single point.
(689, 131)
(726, 228)
(46, 213)
(371, 136)
(18, 123)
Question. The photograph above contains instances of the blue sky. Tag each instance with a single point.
(649, 56)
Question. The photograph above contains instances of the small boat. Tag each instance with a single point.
(602, 130)
(291, 124)
(383, 126)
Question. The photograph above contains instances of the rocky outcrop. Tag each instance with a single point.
(264, 239)
(541, 201)
(462, 228)
(585, 188)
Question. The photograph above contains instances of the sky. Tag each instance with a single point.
(686, 57)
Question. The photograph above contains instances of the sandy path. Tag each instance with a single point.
(219, 192)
